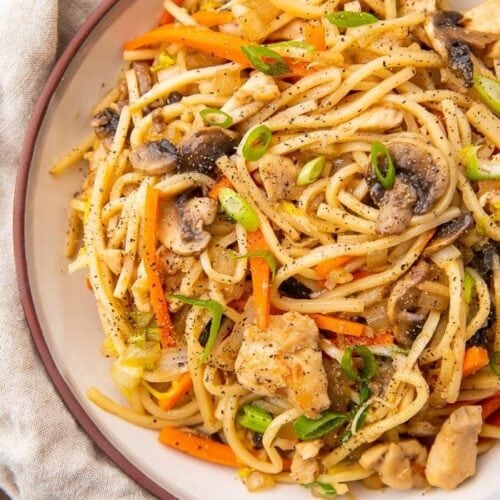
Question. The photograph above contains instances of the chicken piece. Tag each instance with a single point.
(395, 463)
(383, 119)
(259, 87)
(485, 18)
(452, 458)
(285, 360)
(419, 6)
(305, 468)
(279, 176)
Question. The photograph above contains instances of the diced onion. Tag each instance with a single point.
(446, 255)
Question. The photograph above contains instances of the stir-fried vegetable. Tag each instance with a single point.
(311, 171)
(314, 33)
(489, 90)
(475, 358)
(198, 447)
(216, 117)
(323, 269)
(475, 170)
(164, 61)
(338, 325)
(297, 44)
(265, 254)
(387, 180)
(215, 190)
(468, 286)
(495, 362)
(257, 142)
(254, 418)
(168, 18)
(217, 311)
(326, 489)
(345, 19)
(180, 387)
(212, 17)
(349, 369)
(490, 406)
(264, 59)
(307, 429)
(238, 210)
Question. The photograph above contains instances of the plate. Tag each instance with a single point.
(60, 310)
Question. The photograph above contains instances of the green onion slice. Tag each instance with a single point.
(164, 61)
(254, 418)
(257, 142)
(489, 90)
(265, 254)
(476, 171)
(469, 283)
(265, 60)
(388, 179)
(364, 392)
(369, 364)
(296, 44)
(217, 311)
(346, 19)
(311, 171)
(216, 117)
(238, 209)
(307, 428)
(326, 488)
(495, 362)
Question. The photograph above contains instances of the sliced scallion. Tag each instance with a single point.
(311, 171)
(265, 60)
(257, 142)
(489, 90)
(238, 209)
(476, 171)
(296, 44)
(307, 429)
(216, 117)
(254, 418)
(265, 254)
(469, 283)
(348, 368)
(326, 488)
(345, 19)
(387, 180)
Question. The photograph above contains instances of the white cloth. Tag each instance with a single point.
(43, 452)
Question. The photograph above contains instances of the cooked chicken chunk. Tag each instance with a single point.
(395, 463)
(305, 468)
(452, 458)
(285, 360)
(279, 176)
(382, 119)
(485, 18)
(421, 6)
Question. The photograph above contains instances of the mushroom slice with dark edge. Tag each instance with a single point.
(421, 178)
(448, 233)
(295, 289)
(181, 227)
(154, 158)
(105, 123)
(199, 150)
(453, 42)
(144, 78)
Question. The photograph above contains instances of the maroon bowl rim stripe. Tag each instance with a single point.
(27, 302)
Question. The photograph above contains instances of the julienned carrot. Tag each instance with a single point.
(338, 325)
(261, 278)
(179, 388)
(158, 301)
(490, 405)
(315, 34)
(212, 18)
(168, 18)
(385, 338)
(219, 44)
(323, 269)
(475, 358)
(223, 183)
(198, 447)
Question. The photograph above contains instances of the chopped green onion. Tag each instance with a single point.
(140, 319)
(495, 362)
(326, 488)
(296, 44)
(364, 392)
(259, 57)
(369, 364)
(257, 142)
(164, 61)
(468, 286)
(489, 90)
(347, 19)
(265, 254)
(311, 171)
(388, 179)
(217, 311)
(254, 418)
(307, 428)
(237, 209)
(146, 334)
(216, 117)
(362, 418)
(476, 171)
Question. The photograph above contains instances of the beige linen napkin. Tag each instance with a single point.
(43, 452)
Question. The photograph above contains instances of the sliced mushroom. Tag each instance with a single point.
(154, 158)
(421, 178)
(199, 150)
(144, 78)
(453, 43)
(105, 123)
(448, 233)
(295, 289)
(181, 227)
(483, 260)
(279, 176)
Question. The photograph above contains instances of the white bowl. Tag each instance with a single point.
(60, 309)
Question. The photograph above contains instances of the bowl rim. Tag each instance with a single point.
(21, 263)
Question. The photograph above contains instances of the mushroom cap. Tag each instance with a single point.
(448, 233)
(154, 158)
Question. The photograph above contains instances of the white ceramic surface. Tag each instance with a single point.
(65, 307)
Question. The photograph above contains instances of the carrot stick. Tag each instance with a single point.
(490, 405)
(168, 18)
(323, 269)
(223, 183)
(212, 18)
(219, 44)
(338, 325)
(202, 448)
(158, 301)
(261, 278)
(179, 388)
(475, 358)
(315, 34)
